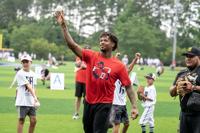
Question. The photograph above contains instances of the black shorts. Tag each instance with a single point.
(23, 111)
(80, 89)
(96, 117)
(119, 114)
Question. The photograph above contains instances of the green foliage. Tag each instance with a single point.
(135, 22)
(27, 37)
(136, 35)
(166, 56)
(21, 37)
(42, 48)
(93, 40)
(11, 9)
(186, 41)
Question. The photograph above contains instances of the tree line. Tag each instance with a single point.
(144, 26)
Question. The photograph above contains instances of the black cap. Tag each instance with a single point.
(192, 51)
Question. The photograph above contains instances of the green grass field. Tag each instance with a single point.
(55, 113)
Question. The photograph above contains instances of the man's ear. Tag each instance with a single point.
(113, 45)
(199, 58)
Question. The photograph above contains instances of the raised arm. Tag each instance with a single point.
(130, 67)
(117, 55)
(69, 40)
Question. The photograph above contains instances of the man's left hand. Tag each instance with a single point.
(189, 87)
(134, 113)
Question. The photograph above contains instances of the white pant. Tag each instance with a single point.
(147, 116)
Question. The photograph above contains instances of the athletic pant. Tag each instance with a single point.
(96, 117)
(147, 116)
(190, 123)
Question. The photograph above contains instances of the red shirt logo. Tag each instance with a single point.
(101, 72)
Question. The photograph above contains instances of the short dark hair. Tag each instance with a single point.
(112, 37)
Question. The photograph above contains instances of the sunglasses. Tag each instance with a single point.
(190, 56)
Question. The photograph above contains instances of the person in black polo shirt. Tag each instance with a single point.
(190, 100)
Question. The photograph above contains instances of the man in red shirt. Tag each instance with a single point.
(80, 80)
(101, 73)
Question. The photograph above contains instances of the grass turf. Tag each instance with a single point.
(55, 113)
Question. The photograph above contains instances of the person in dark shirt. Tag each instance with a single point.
(45, 75)
(189, 117)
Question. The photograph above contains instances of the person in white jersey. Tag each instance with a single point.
(119, 112)
(125, 59)
(26, 99)
(148, 103)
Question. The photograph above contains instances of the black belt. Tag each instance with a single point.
(190, 112)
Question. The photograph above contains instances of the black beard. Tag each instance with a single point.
(191, 67)
(103, 51)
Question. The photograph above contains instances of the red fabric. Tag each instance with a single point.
(80, 73)
(101, 76)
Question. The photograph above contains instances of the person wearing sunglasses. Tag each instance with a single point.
(189, 99)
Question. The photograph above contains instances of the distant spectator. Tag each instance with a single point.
(125, 59)
(45, 75)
